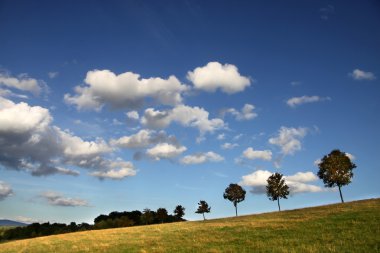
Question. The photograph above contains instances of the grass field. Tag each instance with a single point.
(349, 227)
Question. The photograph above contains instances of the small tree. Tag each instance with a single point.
(277, 188)
(162, 214)
(203, 208)
(179, 212)
(335, 169)
(234, 193)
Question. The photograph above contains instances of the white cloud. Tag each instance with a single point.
(237, 137)
(351, 156)
(165, 151)
(302, 177)
(127, 90)
(359, 75)
(297, 183)
(5, 190)
(215, 76)
(251, 154)
(30, 143)
(289, 139)
(184, 115)
(295, 101)
(221, 137)
(142, 139)
(229, 145)
(57, 199)
(246, 112)
(134, 115)
(22, 82)
(116, 170)
(53, 75)
(202, 158)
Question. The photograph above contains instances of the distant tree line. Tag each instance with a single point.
(335, 169)
(112, 220)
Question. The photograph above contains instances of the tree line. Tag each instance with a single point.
(335, 169)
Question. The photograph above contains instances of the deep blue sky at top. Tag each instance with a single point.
(313, 43)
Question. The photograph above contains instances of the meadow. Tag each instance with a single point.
(348, 227)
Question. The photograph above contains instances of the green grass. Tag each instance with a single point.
(349, 227)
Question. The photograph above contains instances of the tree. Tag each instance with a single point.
(179, 212)
(147, 216)
(335, 169)
(234, 193)
(162, 214)
(203, 208)
(277, 188)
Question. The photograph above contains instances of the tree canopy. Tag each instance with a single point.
(277, 188)
(179, 212)
(335, 169)
(203, 208)
(234, 193)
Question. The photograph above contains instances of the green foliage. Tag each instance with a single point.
(277, 188)
(179, 212)
(162, 214)
(234, 193)
(335, 169)
(203, 208)
(147, 217)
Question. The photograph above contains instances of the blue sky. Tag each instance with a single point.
(125, 105)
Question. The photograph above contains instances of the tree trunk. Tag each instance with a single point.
(204, 216)
(278, 203)
(340, 192)
(236, 209)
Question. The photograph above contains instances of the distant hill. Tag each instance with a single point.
(348, 227)
(11, 223)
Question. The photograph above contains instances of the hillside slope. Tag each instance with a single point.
(11, 223)
(349, 227)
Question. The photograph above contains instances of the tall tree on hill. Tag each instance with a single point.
(179, 212)
(335, 169)
(162, 214)
(203, 208)
(277, 188)
(234, 193)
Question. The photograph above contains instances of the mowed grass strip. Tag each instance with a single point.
(349, 227)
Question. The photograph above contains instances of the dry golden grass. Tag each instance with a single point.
(349, 227)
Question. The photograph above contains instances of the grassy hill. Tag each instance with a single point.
(349, 227)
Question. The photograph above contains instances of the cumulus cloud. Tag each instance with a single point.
(298, 183)
(5, 190)
(133, 115)
(165, 151)
(184, 115)
(229, 145)
(202, 158)
(29, 142)
(127, 90)
(215, 76)
(142, 139)
(289, 139)
(221, 137)
(296, 101)
(359, 75)
(57, 199)
(22, 82)
(251, 154)
(246, 112)
(116, 170)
